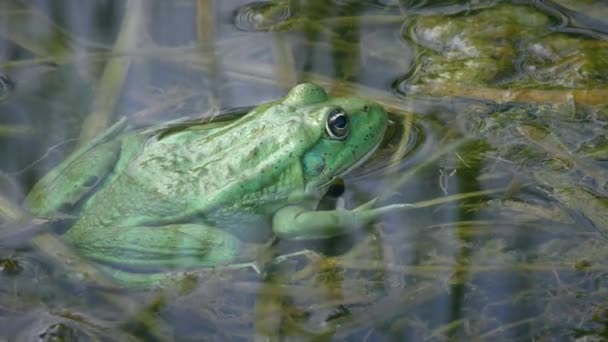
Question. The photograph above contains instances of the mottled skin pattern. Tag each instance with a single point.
(185, 197)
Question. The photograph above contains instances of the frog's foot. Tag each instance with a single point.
(150, 280)
(253, 265)
(305, 252)
(137, 280)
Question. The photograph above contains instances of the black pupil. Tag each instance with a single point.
(340, 121)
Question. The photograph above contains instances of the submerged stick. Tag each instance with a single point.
(115, 73)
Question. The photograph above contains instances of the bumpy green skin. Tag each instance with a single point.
(184, 197)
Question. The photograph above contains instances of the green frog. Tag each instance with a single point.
(185, 196)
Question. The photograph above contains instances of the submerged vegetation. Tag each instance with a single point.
(498, 142)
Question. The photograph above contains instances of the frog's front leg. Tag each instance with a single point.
(141, 252)
(301, 223)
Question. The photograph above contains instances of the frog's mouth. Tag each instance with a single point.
(350, 168)
(360, 161)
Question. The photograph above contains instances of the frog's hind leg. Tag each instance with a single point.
(74, 178)
(134, 254)
(63, 187)
(150, 280)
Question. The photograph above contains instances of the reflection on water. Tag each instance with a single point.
(498, 141)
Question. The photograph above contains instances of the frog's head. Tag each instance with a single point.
(348, 131)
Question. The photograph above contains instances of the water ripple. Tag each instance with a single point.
(262, 15)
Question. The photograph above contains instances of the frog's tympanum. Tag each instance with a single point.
(187, 196)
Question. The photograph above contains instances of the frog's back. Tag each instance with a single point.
(215, 175)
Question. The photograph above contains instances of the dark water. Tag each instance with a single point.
(499, 116)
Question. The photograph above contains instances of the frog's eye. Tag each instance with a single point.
(337, 125)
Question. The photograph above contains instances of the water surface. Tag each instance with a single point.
(498, 141)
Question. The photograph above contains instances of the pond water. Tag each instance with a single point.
(497, 142)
